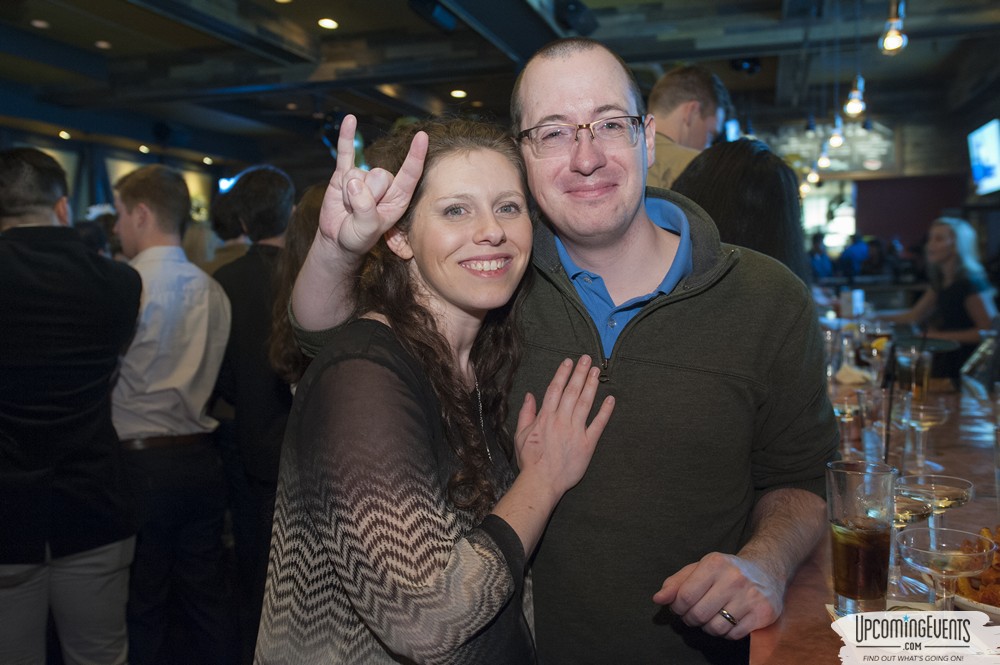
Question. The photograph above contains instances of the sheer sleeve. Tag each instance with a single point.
(369, 452)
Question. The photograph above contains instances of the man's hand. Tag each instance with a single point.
(359, 206)
(787, 523)
(698, 591)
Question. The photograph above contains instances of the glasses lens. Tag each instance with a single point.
(616, 130)
(552, 137)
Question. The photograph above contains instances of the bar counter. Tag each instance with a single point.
(964, 446)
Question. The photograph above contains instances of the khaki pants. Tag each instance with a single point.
(86, 592)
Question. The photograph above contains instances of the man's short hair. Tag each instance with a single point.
(222, 214)
(561, 48)
(163, 190)
(685, 83)
(29, 180)
(262, 199)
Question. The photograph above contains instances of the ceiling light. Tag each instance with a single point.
(328, 24)
(813, 176)
(207, 161)
(40, 23)
(855, 105)
(823, 161)
(63, 134)
(893, 39)
(459, 94)
(837, 135)
(103, 44)
(283, 2)
(292, 106)
(804, 188)
(144, 149)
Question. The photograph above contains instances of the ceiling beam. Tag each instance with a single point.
(516, 28)
(243, 24)
(710, 39)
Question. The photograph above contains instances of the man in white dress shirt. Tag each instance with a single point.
(159, 411)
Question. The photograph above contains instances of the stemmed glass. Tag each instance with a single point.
(846, 412)
(920, 418)
(942, 492)
(906, 511)
(946, 555)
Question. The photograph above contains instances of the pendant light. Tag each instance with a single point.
(893, 39)
(855, 105)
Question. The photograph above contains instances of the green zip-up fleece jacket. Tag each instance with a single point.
(720, 397)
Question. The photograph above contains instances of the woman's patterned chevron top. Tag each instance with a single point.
(369, 562)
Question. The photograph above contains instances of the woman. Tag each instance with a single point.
(400, 534)
(753, 197)
(959, 305)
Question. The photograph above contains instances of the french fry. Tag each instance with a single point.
(986, 587)
(965, 589)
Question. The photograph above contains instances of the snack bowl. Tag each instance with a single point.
(963, 603)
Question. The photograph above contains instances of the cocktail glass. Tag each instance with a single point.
(907, 511)
(919, 418)
(946, 555)
(943, 493)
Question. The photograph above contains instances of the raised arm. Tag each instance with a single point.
(359, 206)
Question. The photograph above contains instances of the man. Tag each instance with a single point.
(689, 104)
(261, 201)
(66, 523)
(706, 487)
(159, 411)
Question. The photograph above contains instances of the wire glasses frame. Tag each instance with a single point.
(554, 138)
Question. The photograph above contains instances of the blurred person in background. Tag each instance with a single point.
(67, 521)
(819, 258)
(283, 351)
(752, 195)
(261, 201)
(159, 408)
(227, 229)
(93, 236)
(690, 105)
(959, 305)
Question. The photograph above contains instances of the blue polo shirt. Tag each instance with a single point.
(609, 319)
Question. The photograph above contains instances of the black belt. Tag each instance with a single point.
(150, 442)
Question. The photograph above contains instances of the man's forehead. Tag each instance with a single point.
(575, 87)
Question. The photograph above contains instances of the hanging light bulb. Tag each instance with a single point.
(837, 135)
(813, 176)
(855, 105)
(823, 161)
(893, 39)
(804, 188)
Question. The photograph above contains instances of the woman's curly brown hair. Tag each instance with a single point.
(384, 286)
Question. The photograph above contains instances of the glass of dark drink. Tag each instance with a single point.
(860, 511)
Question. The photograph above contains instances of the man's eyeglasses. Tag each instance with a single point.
(620, 131)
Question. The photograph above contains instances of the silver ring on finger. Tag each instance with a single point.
(724, 613)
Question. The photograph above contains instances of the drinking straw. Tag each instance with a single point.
(889, 383)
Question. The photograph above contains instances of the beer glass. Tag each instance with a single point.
(860, 510)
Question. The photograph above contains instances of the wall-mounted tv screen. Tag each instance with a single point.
(984, 155)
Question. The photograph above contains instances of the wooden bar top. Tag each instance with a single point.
(964, 447)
